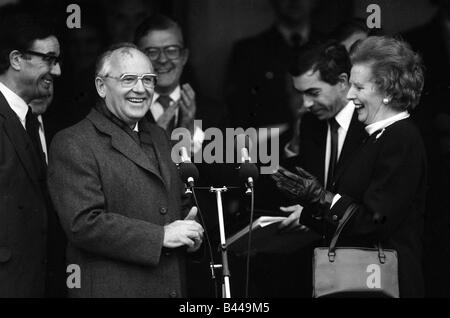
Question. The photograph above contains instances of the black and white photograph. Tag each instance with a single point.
(226, 153)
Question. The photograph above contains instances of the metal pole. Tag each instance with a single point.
(226, 293)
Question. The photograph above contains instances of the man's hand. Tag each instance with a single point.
(187, 232)
(292, 223)
(192, 215)
(188, 107)
(303, 187)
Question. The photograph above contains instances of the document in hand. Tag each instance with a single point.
(267, 238)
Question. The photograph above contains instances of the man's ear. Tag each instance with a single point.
(185, 56)
(100, 86)
(343, 81)
(15, 60)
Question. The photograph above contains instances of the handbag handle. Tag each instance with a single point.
(347, 215)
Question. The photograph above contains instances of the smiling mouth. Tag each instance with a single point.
(48, 81)
(358, 106)
(136, 100)
(164, 70)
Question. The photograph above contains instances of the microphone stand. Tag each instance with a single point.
(226, 293)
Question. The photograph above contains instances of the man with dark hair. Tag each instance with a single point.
(29, 63)
(117, 191)
(329, 133)
(176, 104)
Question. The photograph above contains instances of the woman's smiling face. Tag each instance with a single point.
(365, 94)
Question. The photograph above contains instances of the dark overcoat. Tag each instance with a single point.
(113, 202)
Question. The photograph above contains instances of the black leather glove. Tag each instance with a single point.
(303, 187)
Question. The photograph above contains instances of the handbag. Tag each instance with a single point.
(354, 271)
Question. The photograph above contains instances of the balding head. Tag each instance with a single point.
(128, 100)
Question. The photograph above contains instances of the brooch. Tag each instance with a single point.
(380, 133)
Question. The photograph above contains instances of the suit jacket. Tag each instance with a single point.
(256, 86)
(387, 180)
(23, 211)
(313, 139)
(113, 202)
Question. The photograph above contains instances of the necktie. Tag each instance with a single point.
(165, 100)
(32, 128)
(334, 151)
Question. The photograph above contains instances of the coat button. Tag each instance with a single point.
(173, 294)
(163, 210)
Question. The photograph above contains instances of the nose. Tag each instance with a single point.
(139, 86)
(307, 102)
(162, 58)
(55, 70)
(351, 93)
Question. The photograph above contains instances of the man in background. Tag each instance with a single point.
(176, 104)
(29, 64)
(329, 133)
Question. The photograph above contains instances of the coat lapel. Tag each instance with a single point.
(20, 141)
(319, 138)
(160, 142)
(122, 142)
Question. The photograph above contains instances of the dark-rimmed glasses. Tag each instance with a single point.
(50, 59)
(128, 80)
(172, 52)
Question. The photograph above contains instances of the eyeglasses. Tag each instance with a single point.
(50, 59)
(130, 80)
(172, 52)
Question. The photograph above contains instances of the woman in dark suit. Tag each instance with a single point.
(386, 178)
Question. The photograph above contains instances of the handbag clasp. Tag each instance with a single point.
(331, 256)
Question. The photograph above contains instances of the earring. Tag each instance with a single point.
(385, 100)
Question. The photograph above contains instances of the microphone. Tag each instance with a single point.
(248, 172)
(187, 170)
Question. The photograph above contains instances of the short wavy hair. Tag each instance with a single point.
(396, 69)
(330, 59)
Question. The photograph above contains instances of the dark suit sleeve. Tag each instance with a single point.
(398, 173)
(76, 190)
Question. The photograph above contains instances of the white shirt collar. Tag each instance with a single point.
(344, 117)
(136, 127)
(17, 104)
(386, 122)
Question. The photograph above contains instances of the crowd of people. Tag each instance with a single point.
(363, 123)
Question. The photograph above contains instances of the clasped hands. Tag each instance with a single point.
(303, 188)
(187, 232)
